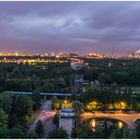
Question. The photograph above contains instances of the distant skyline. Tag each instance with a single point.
(71, 27)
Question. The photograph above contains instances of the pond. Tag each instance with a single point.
(105, 122)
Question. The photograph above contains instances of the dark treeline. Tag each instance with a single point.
(123, 72)
(55, 77)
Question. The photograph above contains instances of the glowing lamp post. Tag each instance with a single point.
(65, 102)
(120, 124)
(93, 124)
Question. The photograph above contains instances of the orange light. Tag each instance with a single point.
(120, 124)
(65, 101)
(16, 54)
(57, 56)
(93, 123)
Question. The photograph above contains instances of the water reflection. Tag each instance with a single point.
(93, 125)
(105, 123)
(120, 124)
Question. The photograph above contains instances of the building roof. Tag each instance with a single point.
(67, 110)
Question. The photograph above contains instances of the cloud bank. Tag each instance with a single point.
(80, 27)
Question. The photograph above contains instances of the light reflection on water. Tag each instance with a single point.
(120, 124)
(95, 123)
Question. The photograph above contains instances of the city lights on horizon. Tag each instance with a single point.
(61, 54)
(61, 57)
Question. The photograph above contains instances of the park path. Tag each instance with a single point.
(45, 115)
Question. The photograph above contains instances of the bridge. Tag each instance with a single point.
(128, 118)
(21, 93)
(55, 94)
(51, 94)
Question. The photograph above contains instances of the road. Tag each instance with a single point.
(48, 126)
(45, 116)
(129, 119)
(67, 124)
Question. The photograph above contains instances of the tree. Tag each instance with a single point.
(4, 133)
(92, 106)
(122, 133)
(78, 107)
(12, 121)
(22, 106)
(120, 105)
(61, 82)
(56, 106)
(101, 133)
(49, 85)
(31, 135)
(55, 103)
(26, 85)
(36, 82)
(58, 133)
(15, 133)
(132, 136)
(39, 128)
(3, 118)
(56, 119)
(85, 131)
(2, 84)
(118, 133)
(74, 133)
(138, 130)
(21, 127)
(13, 84)
(127, 95)
(6, 102)
(36, 99)
(89, 95)
(101, 78)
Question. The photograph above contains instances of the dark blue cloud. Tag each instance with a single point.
(70, 26)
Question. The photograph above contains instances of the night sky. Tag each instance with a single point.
(72, 27)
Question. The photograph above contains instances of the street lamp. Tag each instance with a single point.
(65, 102)
(120, 124)
(93, 124)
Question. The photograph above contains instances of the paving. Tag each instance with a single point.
(45, 116)
(48, 127)
(67, 124)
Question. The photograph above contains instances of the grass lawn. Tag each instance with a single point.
(33, 117)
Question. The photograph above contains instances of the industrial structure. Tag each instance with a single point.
(77, 81)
